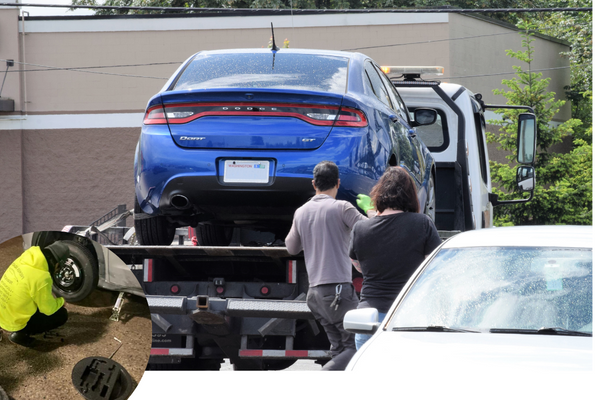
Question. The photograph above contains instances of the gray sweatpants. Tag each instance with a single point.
(319, 301)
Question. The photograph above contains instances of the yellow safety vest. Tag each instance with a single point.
(25, 287)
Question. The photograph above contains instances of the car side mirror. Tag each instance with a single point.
(362, 320)
(526, 138)
(525, 178)
(425, 116)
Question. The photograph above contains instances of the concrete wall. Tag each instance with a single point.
(171, 40)
(66, 154)
(482, 63)
(9, 50)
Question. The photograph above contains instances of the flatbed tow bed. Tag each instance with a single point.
(247, 304)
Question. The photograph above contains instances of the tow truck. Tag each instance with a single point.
(457, 142)
(246, 302)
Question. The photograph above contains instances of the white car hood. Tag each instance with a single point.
(417, 352)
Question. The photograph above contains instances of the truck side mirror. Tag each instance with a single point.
(425, 116)
(525, 178)
(526, 138)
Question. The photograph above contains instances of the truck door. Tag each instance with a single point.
(486, 214)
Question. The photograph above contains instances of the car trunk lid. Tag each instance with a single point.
(232, 119)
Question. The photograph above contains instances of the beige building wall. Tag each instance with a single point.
(480, 63)
(102, 89)
(9, 50)
(11, 184)
(66, 154)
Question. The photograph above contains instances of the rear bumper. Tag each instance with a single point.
(162, 170)
(191, 306)
(206, 195)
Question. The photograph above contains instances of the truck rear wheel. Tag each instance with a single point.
(152, 230)
(76, 278)
(213, 235)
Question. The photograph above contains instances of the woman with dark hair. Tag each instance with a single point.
(389, 247)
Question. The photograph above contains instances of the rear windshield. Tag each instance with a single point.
(320, 73)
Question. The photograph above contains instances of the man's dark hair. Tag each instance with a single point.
(395, 190)
(326, 175)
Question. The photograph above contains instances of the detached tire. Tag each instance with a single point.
(152, 231)
(213, 235)
(77, 277)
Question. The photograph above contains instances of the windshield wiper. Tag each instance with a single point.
(431, 328)
(541, 331)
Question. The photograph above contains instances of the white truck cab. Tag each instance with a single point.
(457, 142)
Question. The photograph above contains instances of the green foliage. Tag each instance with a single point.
(313, 4)
(474, 4)
(563, 192)
(575, 28)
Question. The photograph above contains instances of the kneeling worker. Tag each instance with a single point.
(27, 305)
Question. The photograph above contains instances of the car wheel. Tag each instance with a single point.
(152, 230)
(213, 235)
(76, 278)
(430, 205)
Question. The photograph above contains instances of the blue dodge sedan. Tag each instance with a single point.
(232, 139)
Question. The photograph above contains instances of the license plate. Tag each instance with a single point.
(246, 171)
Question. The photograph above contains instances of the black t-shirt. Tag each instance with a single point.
(389, 249)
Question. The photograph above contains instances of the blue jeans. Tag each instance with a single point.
(361, 338)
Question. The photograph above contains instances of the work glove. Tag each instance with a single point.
(364, 202)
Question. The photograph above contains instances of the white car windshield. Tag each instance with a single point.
(500, 288)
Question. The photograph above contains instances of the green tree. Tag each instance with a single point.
(479, 4)
(563, 192)
(312, 4)
(575, 28)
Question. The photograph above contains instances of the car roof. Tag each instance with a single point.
(526, 236)
(347, 54)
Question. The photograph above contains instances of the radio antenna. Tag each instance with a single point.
(273, 45)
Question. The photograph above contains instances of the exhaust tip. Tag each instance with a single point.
(180, 202)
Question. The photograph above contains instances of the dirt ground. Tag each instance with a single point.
(44, 372)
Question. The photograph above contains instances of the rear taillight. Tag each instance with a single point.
(321, 115)
(351, 117)
(155, 115)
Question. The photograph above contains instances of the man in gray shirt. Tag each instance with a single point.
(321, 228)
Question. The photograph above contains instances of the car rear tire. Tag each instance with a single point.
(213, 235)
(430, 205)
(77, 277)
(152, 231)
